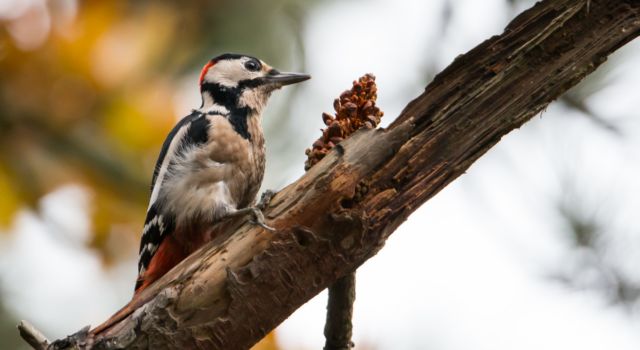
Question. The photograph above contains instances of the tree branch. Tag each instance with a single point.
(240, 286)
(32, 336)
(338, 327)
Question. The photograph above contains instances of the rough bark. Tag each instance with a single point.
(233, 291)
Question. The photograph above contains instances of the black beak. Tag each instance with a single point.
(282, 79)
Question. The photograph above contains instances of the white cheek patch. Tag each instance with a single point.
(230, 72)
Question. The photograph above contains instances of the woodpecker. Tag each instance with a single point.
(211, 164)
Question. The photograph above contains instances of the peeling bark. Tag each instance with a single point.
(233, 291)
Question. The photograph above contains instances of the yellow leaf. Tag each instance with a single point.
(141, 120)
(267, 343)
(9, 200)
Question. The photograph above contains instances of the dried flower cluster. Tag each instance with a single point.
(355, 109)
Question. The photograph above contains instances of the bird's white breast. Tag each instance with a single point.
(207, 181)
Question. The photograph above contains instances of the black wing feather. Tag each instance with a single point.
(159, 222)
(195, 116)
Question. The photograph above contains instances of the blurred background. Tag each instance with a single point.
(534, 248)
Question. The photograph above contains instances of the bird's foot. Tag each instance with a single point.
(258, 217)
(265, 199)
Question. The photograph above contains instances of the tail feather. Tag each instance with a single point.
(169, 254)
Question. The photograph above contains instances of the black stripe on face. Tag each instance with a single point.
(251, 83)
(223, 95)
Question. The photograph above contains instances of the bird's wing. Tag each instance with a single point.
(160, 222)
(157, 226)
(174, 143)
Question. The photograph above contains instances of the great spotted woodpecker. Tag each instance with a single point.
(211, 165)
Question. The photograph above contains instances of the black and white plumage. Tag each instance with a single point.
(212, 163)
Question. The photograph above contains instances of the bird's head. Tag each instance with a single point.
(239, 81)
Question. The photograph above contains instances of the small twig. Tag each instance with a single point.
(31, 335)
(338, 327)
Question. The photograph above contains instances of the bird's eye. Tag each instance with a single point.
(252, 65)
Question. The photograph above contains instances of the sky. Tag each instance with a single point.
(471, 268)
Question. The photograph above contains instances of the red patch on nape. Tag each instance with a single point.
(205, 69)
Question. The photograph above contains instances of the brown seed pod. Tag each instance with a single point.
(327, 118)
(354, 109)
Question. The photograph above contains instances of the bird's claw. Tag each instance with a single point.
(258, 219)
(265, 199)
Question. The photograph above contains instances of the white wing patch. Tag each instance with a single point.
(171, 153)
(157, 220)
(151, 246)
